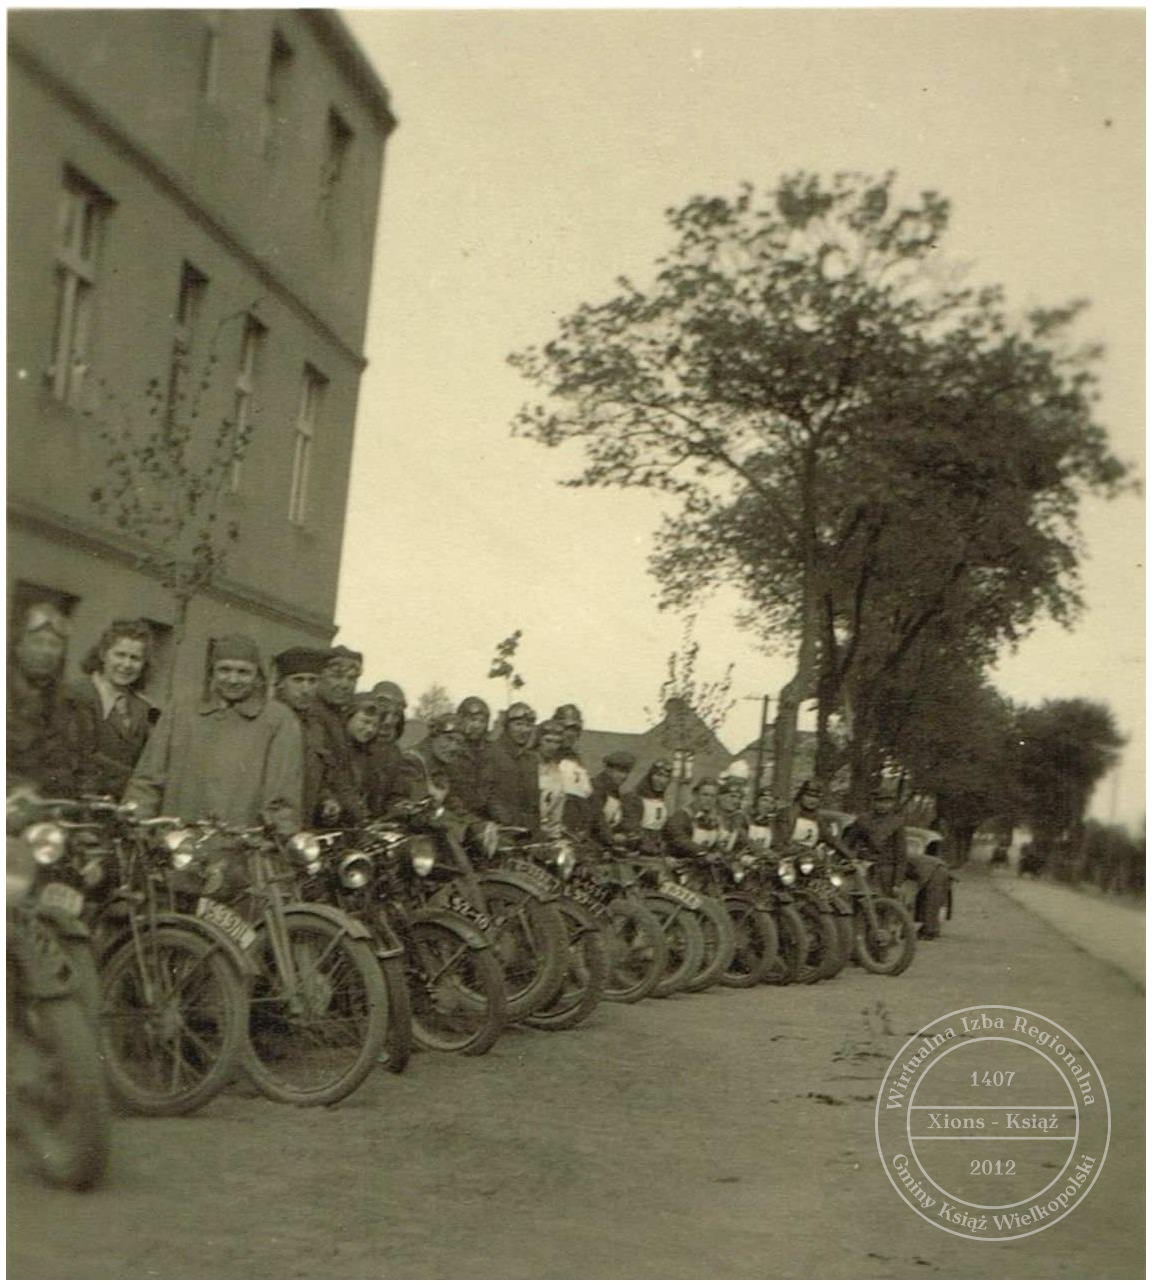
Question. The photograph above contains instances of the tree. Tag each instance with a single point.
(503, 667)
(432, 702)
(812, 393)
(692, 710)
(1065, 748)
(168, 463)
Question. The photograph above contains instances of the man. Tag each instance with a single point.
(514, 786)
(232, 754)
(577, 811)
(431, 770)
(733, 818)
(470, 771)
(645, 810)
(393, 706)
(298, 672)
(38, 743)
(551, 777)
(607, 806)
(695, 831)
(334, 692)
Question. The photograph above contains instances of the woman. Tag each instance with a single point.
(108, 720)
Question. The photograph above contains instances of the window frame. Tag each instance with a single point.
(82, 214)
(313, 390)
(247, 372)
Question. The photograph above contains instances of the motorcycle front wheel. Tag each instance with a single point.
(314, 1040)
(583, 983)
(173, 1014)
(791, 947)
(683, 941)
(637, 952)
(889, 948)
(755, 933)
(457, 990)
(56, 1094)
(398, 1042)
(530, 942)
(823, 956)
(719, 944)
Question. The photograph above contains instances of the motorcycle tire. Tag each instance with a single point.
(62, 1114)
(200, 1022)
(683, 941)
(313, 1045)
(531, 945)
(399, 1041)
(719, 944)
(792, 947)
(891, 948)
(822, 959)
(457, 990)
(583, 983)
(637, 952)
(846, 937)
(756, 944)
(85, 976)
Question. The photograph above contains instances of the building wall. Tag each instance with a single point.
(193, 175)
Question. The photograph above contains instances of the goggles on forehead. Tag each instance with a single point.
(45, 617)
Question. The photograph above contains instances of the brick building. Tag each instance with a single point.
(186, 186)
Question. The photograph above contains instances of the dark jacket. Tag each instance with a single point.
(105, 749)
(514, 793)
(340, 779)
(391, 778)
(314, 739)
(470, 776)
(605, 831)
(38, 743)
(645, 817)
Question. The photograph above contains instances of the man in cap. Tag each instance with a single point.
(298, 671)
(645, 810)
(431, 764)
(393, 709)
(577, 813)
(606, 803)
(514, 787)
(38, 742)
(233, 754)
(334, 693)
(470, 771)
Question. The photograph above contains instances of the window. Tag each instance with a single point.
(311, 396)
(82, 212)
(337, 146)
(683, 763)
(276, 87)
(250, 345)
(189, 301)
(210, 55)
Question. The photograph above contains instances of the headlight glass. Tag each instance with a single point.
(304, 848)
(837, 879)
(423, 851)
(807, 865)
(47, 842)
(564, 857)
(787, 873)
(355, 870)
(738, 874)
(181, 845)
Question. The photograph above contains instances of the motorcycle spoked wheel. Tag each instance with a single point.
(531, 945)
(888, 950)
(457, 990)
(756, 944)
(637, 952)
(719, 944)
(822, 958)
(172, 1055)
(792, 946)
(583, 983)
(683, 941)
(846, 937)
(399, 1040)
(314, 1044)
(57, 1098)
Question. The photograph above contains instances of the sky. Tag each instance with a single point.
(535, 155)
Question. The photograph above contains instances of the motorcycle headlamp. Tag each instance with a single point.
(786, 873)
(180, 845)
(807, 865)
(423, 854)
(837, 880)
(682, 877)
(738, 874)
(47, 842)
(564, 858)
(304, 849)
(355, 870)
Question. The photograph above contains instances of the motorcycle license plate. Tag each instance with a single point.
(468, 911)
(680, 894)
(59, 897)
(588, 900)
(539, 879)
(227, 921)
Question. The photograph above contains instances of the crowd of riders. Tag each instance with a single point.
(307, 745)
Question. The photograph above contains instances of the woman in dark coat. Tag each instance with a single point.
(108, 720)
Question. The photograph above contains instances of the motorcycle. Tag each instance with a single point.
(826, 916)
(749, 908)
(775, 878)
(700, 876)
(678, 912)
(884, 933)
(57, 1100)
(633, 937)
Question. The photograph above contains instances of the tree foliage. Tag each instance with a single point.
(862, 446)
(502, 665)
(433, 701)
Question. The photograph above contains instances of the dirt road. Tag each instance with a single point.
(728, 1134)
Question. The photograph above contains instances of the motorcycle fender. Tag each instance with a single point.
(351, 926)
(521, 882)
(454, 921)
(243, 962)
(67, 926)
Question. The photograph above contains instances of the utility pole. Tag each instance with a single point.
(757, 778)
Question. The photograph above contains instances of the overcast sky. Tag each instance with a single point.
(535, 155)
